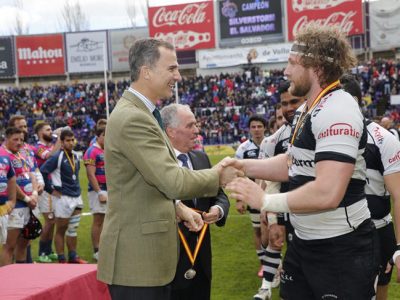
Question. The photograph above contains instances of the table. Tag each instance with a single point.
(51, 281)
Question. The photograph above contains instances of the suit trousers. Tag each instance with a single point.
(198, 289)
(120, 292)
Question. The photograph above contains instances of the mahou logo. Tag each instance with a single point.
(343, 20)
(190, 14)
(39, 53)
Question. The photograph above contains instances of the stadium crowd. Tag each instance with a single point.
(221, 103)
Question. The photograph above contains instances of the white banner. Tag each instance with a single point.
(385, 24)
(121, 40)
(85, 51)
(237, 56)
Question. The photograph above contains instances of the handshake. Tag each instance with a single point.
(229, 169)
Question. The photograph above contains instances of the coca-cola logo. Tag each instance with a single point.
(190, 14)
(342, 20)
(301, 5)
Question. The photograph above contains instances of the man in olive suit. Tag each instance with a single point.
(139, 243)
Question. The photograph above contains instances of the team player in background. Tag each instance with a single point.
(97, 191)
(61, 176)
(335, 240)
(27, 151)
(250, 149)
(27, 197)
(8, 189)
(43, 150)
(273, 226)
(383, 178)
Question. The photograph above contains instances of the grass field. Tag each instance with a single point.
(234, 260)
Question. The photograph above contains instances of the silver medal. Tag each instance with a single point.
(190, 274)
(74, 177)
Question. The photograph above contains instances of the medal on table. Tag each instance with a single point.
(191, 272)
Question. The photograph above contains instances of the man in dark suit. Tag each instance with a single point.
(180, 126)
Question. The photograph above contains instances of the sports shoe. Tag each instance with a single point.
(77, 260)
(62, 261)
(260, 272)
(44, 259)
(53, 257)
(263, 294)
(96, 256)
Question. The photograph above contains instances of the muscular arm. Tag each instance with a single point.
(272, 169)
(325, 192)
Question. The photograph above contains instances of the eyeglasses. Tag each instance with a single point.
(293, 101)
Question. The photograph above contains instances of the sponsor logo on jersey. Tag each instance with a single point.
(378, 135)
(303, 162)
(395, 158)
(251, 153)
(343, 129)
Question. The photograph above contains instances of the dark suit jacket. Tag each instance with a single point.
(199, 161)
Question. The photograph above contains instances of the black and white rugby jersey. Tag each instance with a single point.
(275, 144)
(382, 156)
(333, 130)
(247, 149)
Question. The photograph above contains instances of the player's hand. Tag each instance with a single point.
(276, 236)
(103, 197)
(240, 207)
(244, 189)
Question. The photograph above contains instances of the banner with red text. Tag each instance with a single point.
(346, 14)
(187, 26)
(40, 55)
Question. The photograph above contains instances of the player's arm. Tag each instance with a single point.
(46, 169)
(392, 185)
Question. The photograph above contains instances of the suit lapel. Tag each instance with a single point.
(139, 104)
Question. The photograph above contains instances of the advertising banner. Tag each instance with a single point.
(248, 22)
(40, 55)
(187, 26)
(385, 24)
(7, 67)
(120, 41)
(86, 52)
(237, 56)
(346, 14)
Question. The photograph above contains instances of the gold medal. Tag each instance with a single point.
(190, 274)
(50, 215)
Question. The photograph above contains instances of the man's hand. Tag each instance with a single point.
(190, 218)
(243, 189)
(103, 197)
(233, 162)
(56, 193)
(212, 215)
(40, 188)
(397, 265)
(276, 236)
(241, 207)
(32, 202)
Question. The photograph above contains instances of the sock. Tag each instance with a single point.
(61, 257)
(72, 255)
(42, 247)
(49, 249)
(28, 255)
(260, 254)
(272, 261)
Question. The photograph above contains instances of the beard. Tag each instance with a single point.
(300, 88)
(47, 138)
(289, 117)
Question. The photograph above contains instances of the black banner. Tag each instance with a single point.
(250, 22)
(7, 68)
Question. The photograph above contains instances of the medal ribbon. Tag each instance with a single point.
(315, 103)
(71, 162)
(192, 257)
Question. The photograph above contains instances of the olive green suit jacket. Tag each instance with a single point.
(139, 241)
